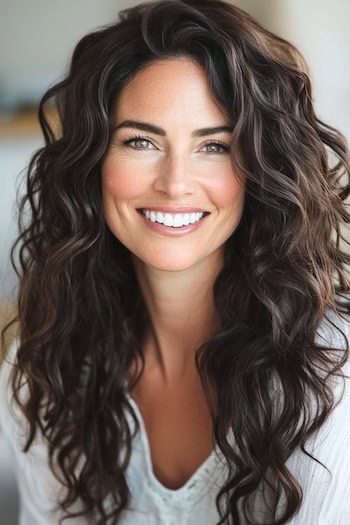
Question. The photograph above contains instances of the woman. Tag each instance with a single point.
(183, 303)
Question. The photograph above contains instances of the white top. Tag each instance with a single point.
(326, 496)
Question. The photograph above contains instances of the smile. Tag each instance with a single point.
(175, 220)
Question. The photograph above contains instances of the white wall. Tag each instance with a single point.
(321, 30)
(37, 37)
(15, 154)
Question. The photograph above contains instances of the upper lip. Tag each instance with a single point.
(174, 209)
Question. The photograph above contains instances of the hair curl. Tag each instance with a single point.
(80, 310)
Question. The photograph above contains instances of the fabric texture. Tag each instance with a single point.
(326, 492)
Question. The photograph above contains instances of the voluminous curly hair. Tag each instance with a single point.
(80, 311)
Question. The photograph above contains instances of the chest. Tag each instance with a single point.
(178, 427)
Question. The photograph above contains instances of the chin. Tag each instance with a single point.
(168, 264)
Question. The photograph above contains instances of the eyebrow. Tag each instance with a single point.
(151, 128)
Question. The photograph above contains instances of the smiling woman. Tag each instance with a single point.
(184, 299)
(180, 175)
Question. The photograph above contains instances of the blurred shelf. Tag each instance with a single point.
(23, 123)
(7, 313)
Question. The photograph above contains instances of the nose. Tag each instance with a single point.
(175, 178)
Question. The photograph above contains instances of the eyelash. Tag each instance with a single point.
(139, 137)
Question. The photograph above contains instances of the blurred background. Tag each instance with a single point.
(36, 42)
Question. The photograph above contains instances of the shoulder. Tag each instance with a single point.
(334, 330)
(324, 475)
(38, 487)
(334, 333)
(12, 421)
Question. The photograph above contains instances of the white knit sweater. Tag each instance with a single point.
(326, 498)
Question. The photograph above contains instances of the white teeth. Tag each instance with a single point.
(179, 220)
(168, 219)
(186, 219)
(175, 220)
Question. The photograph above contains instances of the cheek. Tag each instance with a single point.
(228, 191)
(120, 181)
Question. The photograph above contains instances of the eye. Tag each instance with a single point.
(140, 143)
(216, 148)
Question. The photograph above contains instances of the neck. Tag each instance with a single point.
(182, 313)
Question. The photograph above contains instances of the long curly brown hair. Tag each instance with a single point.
(80, 310)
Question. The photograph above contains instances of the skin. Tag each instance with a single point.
(176, 274)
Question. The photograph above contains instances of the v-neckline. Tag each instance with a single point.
(203, 475)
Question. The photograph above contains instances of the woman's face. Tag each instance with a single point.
(170, 193)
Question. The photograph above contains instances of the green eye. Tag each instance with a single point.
(142, 142)
(216, 148)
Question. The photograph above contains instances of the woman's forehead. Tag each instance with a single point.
(174, 89)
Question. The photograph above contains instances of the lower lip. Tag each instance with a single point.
(170, 230)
